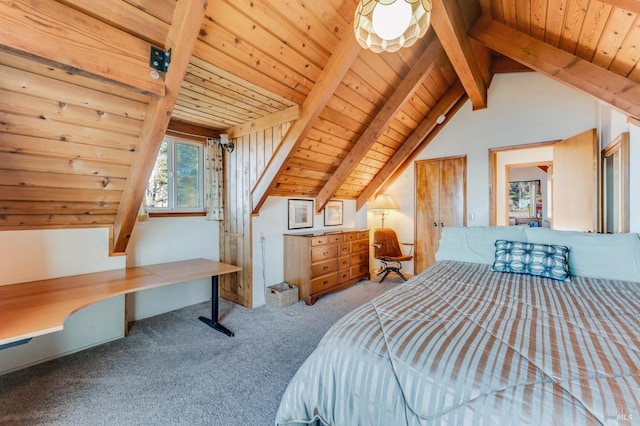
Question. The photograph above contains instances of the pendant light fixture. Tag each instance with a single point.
(388, 25)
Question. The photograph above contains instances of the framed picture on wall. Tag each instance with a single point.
(333, 213)
(300, 213)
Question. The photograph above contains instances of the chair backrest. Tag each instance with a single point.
(388, 241)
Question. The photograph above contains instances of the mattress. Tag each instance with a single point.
(460, 344)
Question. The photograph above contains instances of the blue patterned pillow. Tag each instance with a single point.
(544, 260)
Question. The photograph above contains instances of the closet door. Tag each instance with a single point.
(440, 202)
(453, 181)
(427, 213)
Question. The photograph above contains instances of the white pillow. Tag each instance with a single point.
(475, 244)
(611, 256)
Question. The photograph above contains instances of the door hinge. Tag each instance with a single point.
(159, 59)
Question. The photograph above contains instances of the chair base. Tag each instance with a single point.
(387, 269)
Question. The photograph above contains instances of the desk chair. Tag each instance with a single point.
(387, 249)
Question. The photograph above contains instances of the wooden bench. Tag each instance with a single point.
(36, 308)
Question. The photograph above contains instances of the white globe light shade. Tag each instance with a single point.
(382, 26)
(390, 21)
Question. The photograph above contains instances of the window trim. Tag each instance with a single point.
(173, 140)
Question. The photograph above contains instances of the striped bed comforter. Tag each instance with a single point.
(460, 344)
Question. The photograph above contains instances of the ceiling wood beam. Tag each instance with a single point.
(125, 16)
(507, 65)
(272, 120)
(619, 92)
(448, 22)
(62, 37)
(182, 36)
(190, 131)
(628, 5)
(426, 131)
(332, 75)
(411, 82)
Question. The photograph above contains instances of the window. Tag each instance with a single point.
(525, 199)
(176, 182)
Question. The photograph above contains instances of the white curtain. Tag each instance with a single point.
(214, 180)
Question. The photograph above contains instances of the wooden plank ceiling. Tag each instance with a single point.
(81, 115)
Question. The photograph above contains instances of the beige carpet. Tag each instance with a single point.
(174, 370)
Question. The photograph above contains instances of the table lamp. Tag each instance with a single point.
(381, 205)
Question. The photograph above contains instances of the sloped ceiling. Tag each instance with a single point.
(82, 116)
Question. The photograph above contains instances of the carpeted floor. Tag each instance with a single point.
(173, 370)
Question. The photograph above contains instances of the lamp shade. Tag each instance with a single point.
(388, 25)
(383, 202)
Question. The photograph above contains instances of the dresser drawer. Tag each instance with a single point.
(323, 268)
(318, 241)
(350, 236)
(356, 271)
(324, 252)
(345, 248)
(344, 262)
(358, 258)
(324, 283)
(344, 275)
(335, 238)
(362, 245)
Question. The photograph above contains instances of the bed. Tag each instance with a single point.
(466, 343)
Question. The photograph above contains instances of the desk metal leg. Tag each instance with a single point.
(213, 322)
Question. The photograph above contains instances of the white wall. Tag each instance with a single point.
(523, 108)
(168, 239)
(38, 254)
(35, 255)
(268, 262)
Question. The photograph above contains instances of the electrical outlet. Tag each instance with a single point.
(261, 236)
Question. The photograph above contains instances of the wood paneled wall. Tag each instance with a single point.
(243, 167)
(66, 146)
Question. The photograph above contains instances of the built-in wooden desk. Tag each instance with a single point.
(35, 308)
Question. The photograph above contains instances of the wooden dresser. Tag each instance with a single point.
(325, 261)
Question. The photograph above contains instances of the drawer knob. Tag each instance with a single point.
(325, 268)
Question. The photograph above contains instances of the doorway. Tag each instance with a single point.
(572, 180)
(518, 164)
(528, 194)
